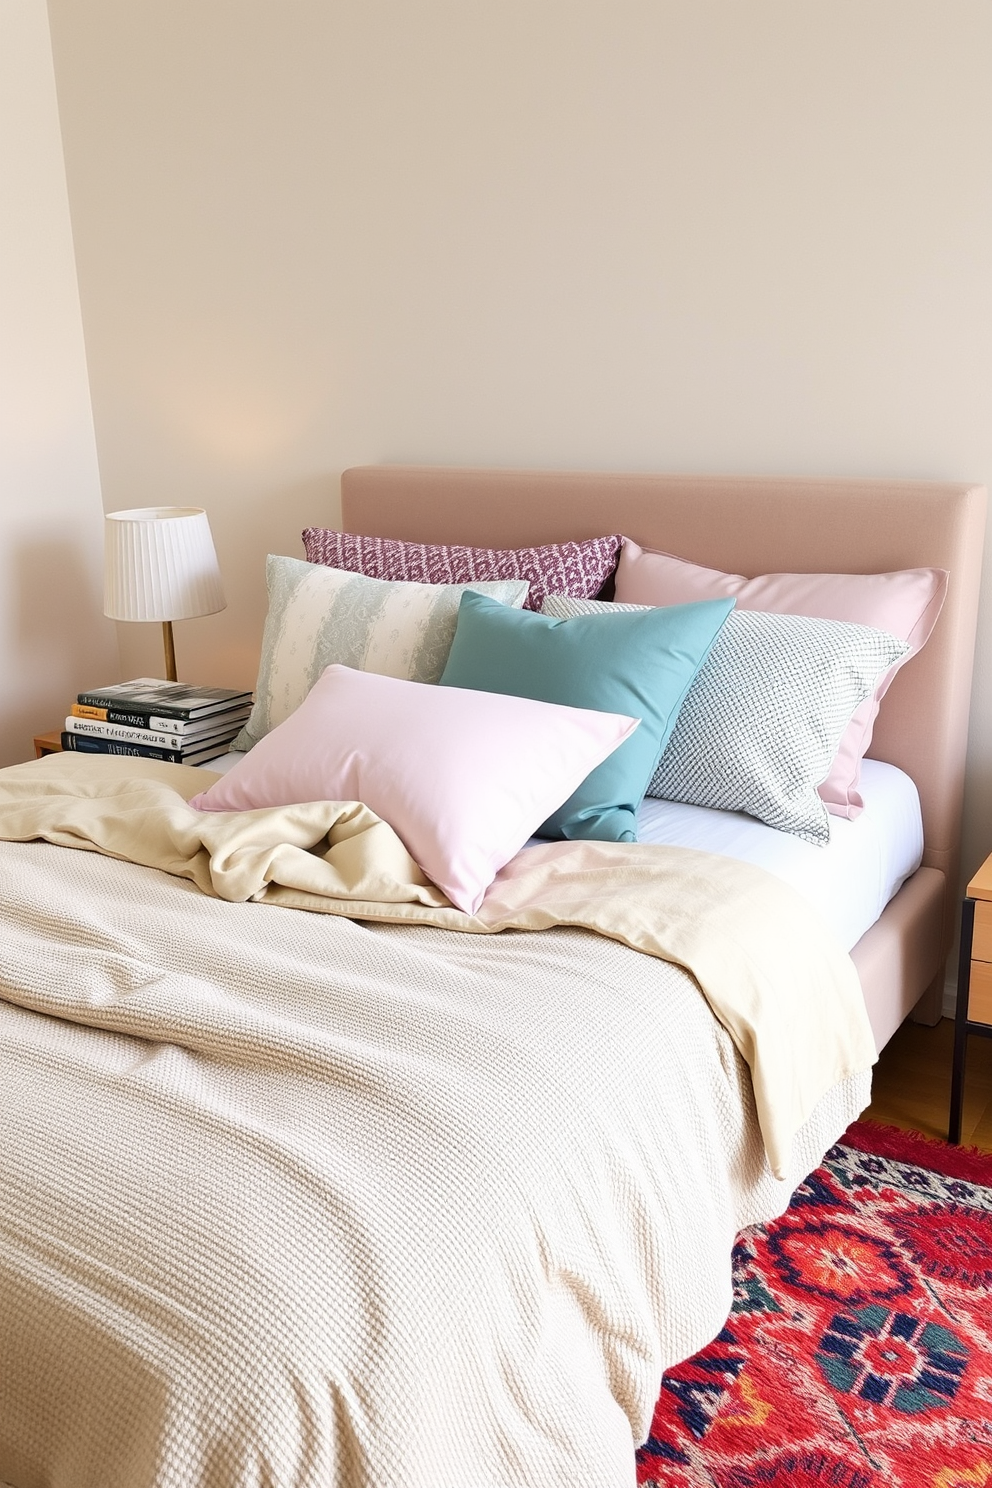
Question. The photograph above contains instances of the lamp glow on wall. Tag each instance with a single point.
(160, 564)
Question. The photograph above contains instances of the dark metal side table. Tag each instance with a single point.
(973, 1012)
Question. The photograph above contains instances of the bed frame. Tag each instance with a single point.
(755, 525)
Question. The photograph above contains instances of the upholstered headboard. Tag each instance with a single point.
(748, 525)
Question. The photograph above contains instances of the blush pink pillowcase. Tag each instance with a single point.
(905, 603)
(578, 569)
(463, 777)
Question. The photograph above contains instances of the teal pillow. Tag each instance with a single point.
(641, 664)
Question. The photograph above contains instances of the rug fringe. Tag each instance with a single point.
(874, 1137)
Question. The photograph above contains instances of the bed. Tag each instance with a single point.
(755, 525)
(298, 1198)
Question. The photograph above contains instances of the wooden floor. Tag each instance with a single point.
(912, 1084)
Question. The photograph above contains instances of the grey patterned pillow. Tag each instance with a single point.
(763, 719)
(321, 615)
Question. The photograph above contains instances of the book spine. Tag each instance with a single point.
(83, 744)
(128, 718)
(134, 713)
(96, 728)
(196, 728)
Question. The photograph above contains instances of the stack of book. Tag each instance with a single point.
(158, 720)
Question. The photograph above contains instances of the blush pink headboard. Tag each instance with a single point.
(749, 525)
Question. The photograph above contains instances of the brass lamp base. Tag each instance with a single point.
(170, 652)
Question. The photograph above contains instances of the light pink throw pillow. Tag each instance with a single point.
(578, 569)
(905, 603)
(463, 777)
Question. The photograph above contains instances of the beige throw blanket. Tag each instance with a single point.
(315, 1202)
(771, 971)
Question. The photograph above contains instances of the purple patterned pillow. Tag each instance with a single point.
(578, 569)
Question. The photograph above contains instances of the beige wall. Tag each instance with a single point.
(636, 234)
(53, 638)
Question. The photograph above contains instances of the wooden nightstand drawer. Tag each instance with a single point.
(981, 946)
(980, 992)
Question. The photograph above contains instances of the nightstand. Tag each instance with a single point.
(973, 1013)
(48, 743)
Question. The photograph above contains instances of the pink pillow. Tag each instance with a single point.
(463, 777)
(906, 604)
(578, 569)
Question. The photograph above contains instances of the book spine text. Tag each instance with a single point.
(102, 729)
(130, 713)
(83, 744)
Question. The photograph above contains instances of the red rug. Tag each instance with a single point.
(859, 1350)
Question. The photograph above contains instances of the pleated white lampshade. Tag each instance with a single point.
(160, 564)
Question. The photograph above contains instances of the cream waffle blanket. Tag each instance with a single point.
(299, 1199)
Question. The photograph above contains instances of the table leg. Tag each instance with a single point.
(961, 1020)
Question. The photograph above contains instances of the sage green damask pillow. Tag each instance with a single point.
(321, 615)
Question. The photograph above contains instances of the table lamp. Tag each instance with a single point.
(160, 564)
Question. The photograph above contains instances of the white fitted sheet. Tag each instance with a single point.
(850, 881)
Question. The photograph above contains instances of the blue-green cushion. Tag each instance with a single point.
(640, 664)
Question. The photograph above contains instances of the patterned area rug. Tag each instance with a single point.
(859, 1350)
